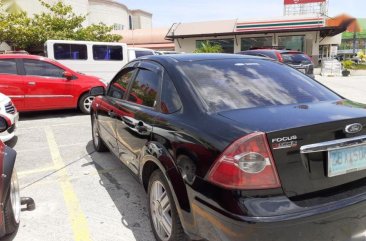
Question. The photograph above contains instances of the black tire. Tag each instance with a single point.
(177, 233)
(98, 143)
(11, 224)
(83, 107)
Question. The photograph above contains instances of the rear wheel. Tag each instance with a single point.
(85, 103)
(98, 143)
(164, 217)
(12, 205)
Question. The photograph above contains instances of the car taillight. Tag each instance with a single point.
(246, 164)
(279, 56)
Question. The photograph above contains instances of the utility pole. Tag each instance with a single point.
(354, 42)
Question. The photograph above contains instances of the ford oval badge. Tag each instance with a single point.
(353, 128)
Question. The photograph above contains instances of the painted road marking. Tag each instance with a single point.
(77, 218)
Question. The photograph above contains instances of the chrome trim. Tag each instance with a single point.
(334, 145)
(349, 129)
(49, 96)
(16, 96)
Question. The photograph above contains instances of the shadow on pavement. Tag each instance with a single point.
(39, 115)
(126, 192)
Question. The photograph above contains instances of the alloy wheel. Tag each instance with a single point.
(161, 212)
(88, 102)
(95, 132)
(15, 196)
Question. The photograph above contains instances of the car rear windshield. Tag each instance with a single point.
(295, 58)
(248, 83)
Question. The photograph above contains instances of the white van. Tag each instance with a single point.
(99, 59)
(134, 53)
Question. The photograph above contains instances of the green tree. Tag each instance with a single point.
(207, 47)
(58, 21)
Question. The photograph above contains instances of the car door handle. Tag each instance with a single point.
(32, 83)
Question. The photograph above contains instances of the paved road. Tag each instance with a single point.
(80, 194)
(83, 195)
(352, 87)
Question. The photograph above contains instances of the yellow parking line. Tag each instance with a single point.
(78, 220)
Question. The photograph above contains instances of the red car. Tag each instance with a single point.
(36, 83)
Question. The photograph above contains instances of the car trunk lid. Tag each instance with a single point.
(291, 127)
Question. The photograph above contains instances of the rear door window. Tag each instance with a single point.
(170, 101)
(8, 66)
(250, 83)
(295, 58)
(145, 88)
(41, 68)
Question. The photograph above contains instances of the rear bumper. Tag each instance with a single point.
(10, 132)
(340, 225)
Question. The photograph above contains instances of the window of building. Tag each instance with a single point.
(118, 26)
(70, 51)
(255, 42)
(170, 101)
(8, 66)
(292, 42)
(41, 68)
(130, 22)
(227, 45)
(107, 52)
(145, 88)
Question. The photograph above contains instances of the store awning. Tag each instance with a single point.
(326, 27)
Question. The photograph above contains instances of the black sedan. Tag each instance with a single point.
(232, 147)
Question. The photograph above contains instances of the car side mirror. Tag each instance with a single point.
(68, 75)
(3, 124)
(95, 91)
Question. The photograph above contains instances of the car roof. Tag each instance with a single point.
(275, 50)
(26, 56)
(195, 57)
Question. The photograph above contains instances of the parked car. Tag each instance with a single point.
(8, 113)
(295, 59)
(9, 188)
(237, 147)
(134, 53)
(36, 83)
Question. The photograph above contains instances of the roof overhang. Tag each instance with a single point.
(285, 25)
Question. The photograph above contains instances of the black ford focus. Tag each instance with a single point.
(237, 148)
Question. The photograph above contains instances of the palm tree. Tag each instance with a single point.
(208, 47)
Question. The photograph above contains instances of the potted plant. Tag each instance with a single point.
(347, 64)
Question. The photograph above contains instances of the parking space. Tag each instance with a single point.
(84, 195)
(79, 194)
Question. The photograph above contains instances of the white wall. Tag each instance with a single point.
(108, 14)
(106, 11)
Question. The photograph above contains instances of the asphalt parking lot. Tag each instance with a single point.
(84, 195)
(79, 194)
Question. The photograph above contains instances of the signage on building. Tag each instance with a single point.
(288, 2)
(302, 23)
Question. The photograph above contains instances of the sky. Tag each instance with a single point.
(167, 12)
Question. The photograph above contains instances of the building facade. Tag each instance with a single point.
(310, 34)
(109, 12)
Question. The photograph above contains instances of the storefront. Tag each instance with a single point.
(311, 35)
